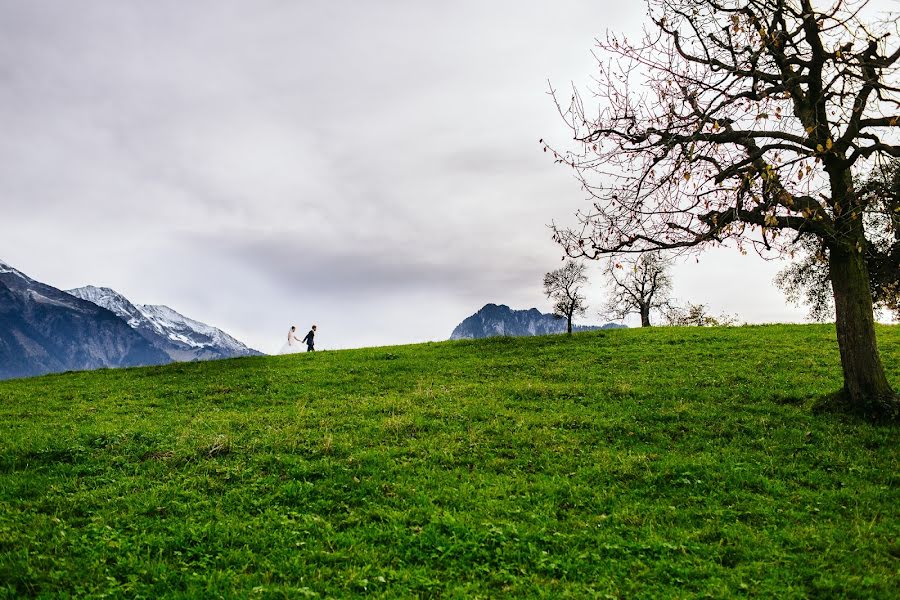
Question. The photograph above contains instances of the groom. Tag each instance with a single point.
(309, 339)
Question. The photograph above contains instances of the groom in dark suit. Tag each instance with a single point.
(310, 346)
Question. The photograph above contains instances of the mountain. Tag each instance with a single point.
(45, 330)
(181, 338)
(493, 320)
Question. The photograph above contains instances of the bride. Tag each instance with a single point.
(293, 344)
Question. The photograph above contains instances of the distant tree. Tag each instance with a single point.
(638, 286)
(808, 280)
(697, 315)
(748, 120)
(563, 287)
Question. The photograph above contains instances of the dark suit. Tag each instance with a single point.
(309, 340)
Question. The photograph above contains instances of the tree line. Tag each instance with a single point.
(640, 286)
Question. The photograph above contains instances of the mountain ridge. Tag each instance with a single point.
(499, 319)
(180, 337)
(45, 330)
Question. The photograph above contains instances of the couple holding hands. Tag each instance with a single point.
(294, 345)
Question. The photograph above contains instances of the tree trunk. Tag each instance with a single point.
(866, 389)
(645, 316)
(569, 324)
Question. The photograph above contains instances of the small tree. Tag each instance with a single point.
(638, 286)
(563, 287)
(808, 281)
(697, 315)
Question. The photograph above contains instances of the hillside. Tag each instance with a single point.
(645, 463)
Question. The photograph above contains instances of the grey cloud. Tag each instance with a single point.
(251, 163)
(376, 266)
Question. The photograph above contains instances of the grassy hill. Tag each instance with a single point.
(653, 463)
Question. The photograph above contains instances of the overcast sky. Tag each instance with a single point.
(373, 167)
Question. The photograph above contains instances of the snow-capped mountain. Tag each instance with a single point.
(45, 330)
(178, 336)
(493, 320)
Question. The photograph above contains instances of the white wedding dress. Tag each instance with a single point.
(292, 346)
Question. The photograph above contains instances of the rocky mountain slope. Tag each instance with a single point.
(46, 330)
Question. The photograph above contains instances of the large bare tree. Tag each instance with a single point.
(639, 285)
(748, 120)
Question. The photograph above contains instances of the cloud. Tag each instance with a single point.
(372, 267)
(372, 165)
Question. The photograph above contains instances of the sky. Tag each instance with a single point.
(372, 167)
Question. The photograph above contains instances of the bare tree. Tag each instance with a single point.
(638, 286)
(746, 120)
(563, 287)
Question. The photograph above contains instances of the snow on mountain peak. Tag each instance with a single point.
(189, 331)
(163, 313)
(111, 300)
(161, 322)
(7, 268)
(95, 294)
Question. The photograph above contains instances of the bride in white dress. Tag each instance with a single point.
(293, 345)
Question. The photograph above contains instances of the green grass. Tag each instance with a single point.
(657, 463)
